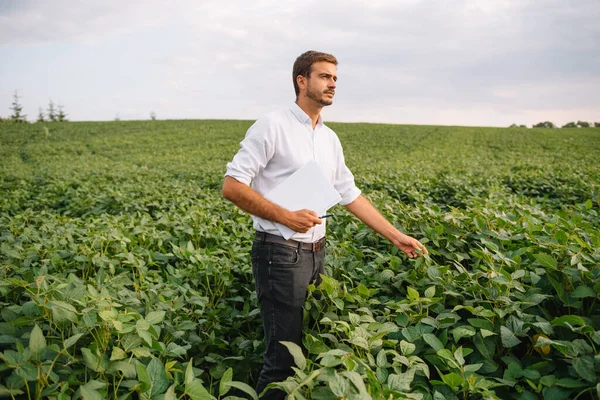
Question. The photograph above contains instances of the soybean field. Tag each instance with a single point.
(124, 274)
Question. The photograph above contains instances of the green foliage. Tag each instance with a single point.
(52, 114)
(61, 116)
(17, 115)
(40, 117)
(124, 274)
(545, 124)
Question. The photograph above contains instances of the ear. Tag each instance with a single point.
(301, 81)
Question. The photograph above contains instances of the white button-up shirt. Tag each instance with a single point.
(280, 143)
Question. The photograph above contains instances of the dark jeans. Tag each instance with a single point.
(282, 275)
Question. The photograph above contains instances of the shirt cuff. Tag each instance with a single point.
(239, 177)
(350, 196)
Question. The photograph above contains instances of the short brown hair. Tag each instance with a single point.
(304, 62)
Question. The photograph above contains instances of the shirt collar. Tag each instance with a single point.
(304, 118)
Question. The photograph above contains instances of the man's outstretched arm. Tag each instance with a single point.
(367, 213)
(252, 202)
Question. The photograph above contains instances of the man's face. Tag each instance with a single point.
(321, 83)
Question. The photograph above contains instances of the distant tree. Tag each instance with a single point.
(152, 115)
(517, 126)
(40, 117)
(522, 126)
(545, 124)
(597, 124)
(570, 125)
(61, 116)
(583, 124)
(52, 112)
(17, 110)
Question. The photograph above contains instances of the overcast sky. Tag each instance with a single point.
(454, 62)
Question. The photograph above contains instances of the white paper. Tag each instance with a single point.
(307, 188)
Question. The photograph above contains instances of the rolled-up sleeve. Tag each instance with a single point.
(256, 150)
(344, 180)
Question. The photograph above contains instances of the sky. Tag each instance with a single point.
(425, 62)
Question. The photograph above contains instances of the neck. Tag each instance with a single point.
(311, 108)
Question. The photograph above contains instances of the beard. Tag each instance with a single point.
(318, 97)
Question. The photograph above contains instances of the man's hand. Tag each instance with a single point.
(409, 245)
(301, 220)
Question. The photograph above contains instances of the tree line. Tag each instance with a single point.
(55, 113)
(578, 124)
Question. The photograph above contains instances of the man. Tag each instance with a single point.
(275, 147)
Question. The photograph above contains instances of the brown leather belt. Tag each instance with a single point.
(269, 238)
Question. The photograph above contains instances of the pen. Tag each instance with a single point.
(327, 216)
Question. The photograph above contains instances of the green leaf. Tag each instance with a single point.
(582, 292)
(596, 337)
(463, 331)
(37, 341)
(170, 393)
(245, 388)
(412, 294)
(589, 204)
(481, 323)
(28, 372)
(62, 311)
(407, 348)
(433, 341)
(546, 260)
(125, 367)
(556, 393)
(473, 367)
(458, 356)
(143, 377)
(158, 377)
(453, 380)
(72, 340)
(225, 379)
(485, 333)
(146, 336)
(401, 381)
(296, 352)
(90, 394)
(548, 380)
(585, 368)
(570, 383)
(7, 250)
(189, 372)
(357, 381)
(155, 317)
(117, 354)
(5, 392)
(508, 338)
(196, 391)
(573, 320)
(339, 386)
(483, 348)
(90, 360)
(339, 303)
(430, 292)
(381, 359)
(561, 237)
